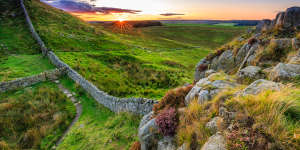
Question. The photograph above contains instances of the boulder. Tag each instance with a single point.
(278, 22)
(294, 60)
(215, 142)
(183, 147)
(282, 43)
(296, 44)
(285, 72)
(148, 135)
(250, 73)
(226, 61)
(146, 119)
(264, 25)
(206, 88)
(209, 72)
(213, 124)
(292, 17)
(242, 53)
(200, 69)
(261, 85)
(167, 143)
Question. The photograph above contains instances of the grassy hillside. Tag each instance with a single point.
(34, 118)
(145, 64)
(19, 53)
(98, 127)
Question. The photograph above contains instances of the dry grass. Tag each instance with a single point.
(136, 146)
(31, 116)
(191, 129)
(270, 111)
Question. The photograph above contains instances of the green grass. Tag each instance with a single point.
(143, 62)
(98, 127)
(34, 117)
(19, 53)
(16, 66)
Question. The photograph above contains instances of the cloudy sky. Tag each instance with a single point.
(104, 10)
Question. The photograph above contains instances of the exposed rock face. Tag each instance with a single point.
(215, 142)
(278, 22)
(292, 17)
(146, 119)
(148, 135)
(167, 143)
(264, 25)
(285, 72)
(296, 44)
(209, 72)
(261, 85)
(207, 88)
(213, 124)
(225, 61)
(251, 73)
(200, 69)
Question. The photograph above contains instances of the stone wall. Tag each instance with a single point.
(28, 81)
(140, 106)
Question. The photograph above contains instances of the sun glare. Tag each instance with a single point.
(121, 20)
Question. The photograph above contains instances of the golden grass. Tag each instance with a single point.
(268, 110)
(191, 129)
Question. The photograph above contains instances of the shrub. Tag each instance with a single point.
(173, 99)
(167, 122)
(136, 146)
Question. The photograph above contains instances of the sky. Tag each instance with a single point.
(111, 10)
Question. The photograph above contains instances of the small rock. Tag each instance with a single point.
(213, 124)
(56, 81)
(285, 72)
(250, 73)
(167, 143)
(69, 95)
(261, 85)
(183, 147)
(215, 142)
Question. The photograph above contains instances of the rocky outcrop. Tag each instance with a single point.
(148, 135)
(291, 17)
(264, 25)
(285, 72)
(215, 142)
(224, 62)
(250, 73)
(206, 88)
(201, 67)
(167, 143)
(261, 85)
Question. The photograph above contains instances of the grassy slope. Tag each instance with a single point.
(34, 117)
(143, 65)
(19, 52)
(98, 127)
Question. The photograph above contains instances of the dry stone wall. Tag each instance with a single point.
(140, 106)
(28, 81)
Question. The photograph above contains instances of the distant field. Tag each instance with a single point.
(143, 62)
(19, 54)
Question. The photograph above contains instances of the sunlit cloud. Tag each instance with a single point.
(172, 14)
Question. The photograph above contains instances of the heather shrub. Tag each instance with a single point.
(167, 122)
(173, 99)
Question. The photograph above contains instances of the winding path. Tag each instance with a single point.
(78, 111)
